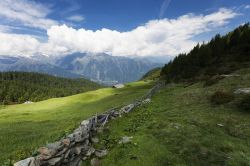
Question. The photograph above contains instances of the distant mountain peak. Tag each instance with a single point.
(99, 67)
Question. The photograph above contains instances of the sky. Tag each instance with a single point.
(117, 27)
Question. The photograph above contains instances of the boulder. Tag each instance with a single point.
(44, 151)
(86, 125)
(66, 142)
(80, 136)
(101, 153)
(25, 162)
(54, 161)
(79, 149)
(94, 140)
(57, 146)
(90, 151)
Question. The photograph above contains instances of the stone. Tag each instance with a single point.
(75, 162)
(35, 162)
(221, 125)
(44, 151)
(80, 136)
(67, 154)
(85, 123)
(84, 158)
(79, 149)
(127, 108)
(54, 161)
(63, 151)
(101, 153)
(94, 140)
(148, 100)
(125, 140)
(56, 146)
(242, 91)
(95, 162)
(90, 151)
(71, 137)
(66, 142)
(25, 162)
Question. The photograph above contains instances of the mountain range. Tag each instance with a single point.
(102, 68)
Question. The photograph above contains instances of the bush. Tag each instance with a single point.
(245, 103)
(212, 80)
(221, 97)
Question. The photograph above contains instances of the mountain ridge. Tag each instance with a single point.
(101, 68)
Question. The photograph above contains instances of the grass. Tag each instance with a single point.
(182, 127)
(25, 127)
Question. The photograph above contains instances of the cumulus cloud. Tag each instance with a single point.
(162, 37)
(76, 18)
(27, 13)
(16, 45)
(157, 37)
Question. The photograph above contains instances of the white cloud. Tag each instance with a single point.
(76, 18)
(157, 37)
(13, 44)
(27, 13)
(247, 7)
(163, 37)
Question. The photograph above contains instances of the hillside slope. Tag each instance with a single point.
(18, 87)
(153, 74)
(222, 55)
(181, 126)
(25, 127)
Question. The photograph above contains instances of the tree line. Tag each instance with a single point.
(221, 55)
(18, 87)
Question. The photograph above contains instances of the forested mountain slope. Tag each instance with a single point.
(222, 55)
(18, 87)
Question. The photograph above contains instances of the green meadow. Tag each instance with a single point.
(182, 127)
(25, 127)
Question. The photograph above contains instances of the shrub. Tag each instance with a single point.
(245, 103)
(212, 80)
(221, 97)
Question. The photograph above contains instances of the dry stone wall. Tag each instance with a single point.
(76, 147)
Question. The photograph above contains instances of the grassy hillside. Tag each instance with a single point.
(18, 87)
(153, 74)
(181, 126)
(25, 127)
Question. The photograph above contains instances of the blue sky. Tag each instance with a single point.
(150, 27)
(124, 15)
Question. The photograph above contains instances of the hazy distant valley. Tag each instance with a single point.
(101, 68)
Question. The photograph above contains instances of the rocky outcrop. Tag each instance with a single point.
(242, 91)
(76, 147)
